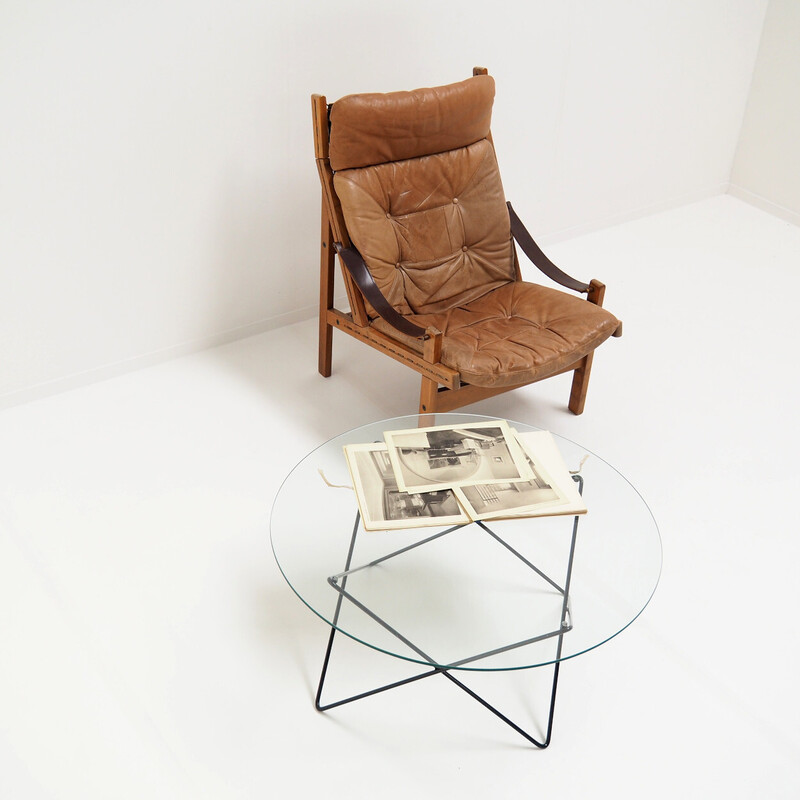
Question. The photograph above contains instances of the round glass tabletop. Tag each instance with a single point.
(490, 594)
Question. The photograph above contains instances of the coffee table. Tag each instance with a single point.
(487, 596)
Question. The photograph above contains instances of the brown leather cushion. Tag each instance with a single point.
(376, 128)
(434, 231)
(516, 334)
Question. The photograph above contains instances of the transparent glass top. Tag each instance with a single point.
(495, 595)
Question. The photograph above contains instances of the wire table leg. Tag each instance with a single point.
(436, 671)
(339, 582)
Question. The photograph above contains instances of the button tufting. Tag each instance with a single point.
(455, 200)
(388, 215)
(465, 248)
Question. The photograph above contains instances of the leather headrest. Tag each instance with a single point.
(369, 129)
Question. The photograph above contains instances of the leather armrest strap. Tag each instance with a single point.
(366, 283)
(537, 257)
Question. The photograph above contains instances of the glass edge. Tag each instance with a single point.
(410, 659)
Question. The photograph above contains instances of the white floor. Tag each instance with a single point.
(150, 648)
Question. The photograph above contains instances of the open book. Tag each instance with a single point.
(451, 475)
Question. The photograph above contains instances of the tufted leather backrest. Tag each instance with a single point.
(421, 193)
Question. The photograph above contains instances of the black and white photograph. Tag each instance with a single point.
(510, 498)
(541, 448)
(551, 492)
(427, 459)
(384, 506)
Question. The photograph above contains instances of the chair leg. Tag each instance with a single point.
(326, 283)
(580, 380)
(428, 395)
(580, 383)
(325, 347)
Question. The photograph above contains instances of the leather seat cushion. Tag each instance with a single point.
(516, 334)
(434, 231)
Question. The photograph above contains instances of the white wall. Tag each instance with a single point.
(158, 191)
(766, 169)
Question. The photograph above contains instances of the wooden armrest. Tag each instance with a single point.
(539, 259)
(366, 283)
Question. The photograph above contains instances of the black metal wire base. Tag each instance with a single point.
(427, 674)
(339, 582)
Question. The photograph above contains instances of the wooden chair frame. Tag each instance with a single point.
(442, 388)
